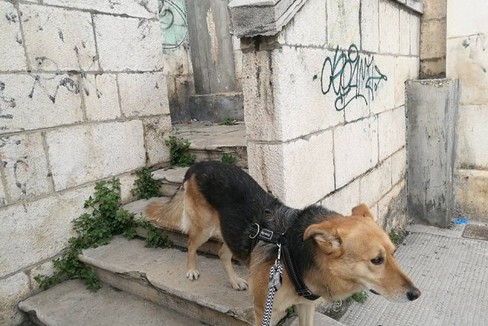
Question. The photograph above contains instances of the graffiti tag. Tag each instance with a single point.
(350, 77)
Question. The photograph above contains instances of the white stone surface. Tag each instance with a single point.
(308, 26)
(343, 23)
(38, 230)
(137, 8)
(433, 41)
(389, 27)
(468, 61)
(24, 164)
(12, 56)
(87, 153)
(414, 35)
(398, 166)
(297, 92)
(100, 95)
(3, 196)
(143, 94)
(57, 39)
(404, 67)
(471, 196)
(376, 183)
(472, 147)
(370, 25)
(126, 185)
(386, 204)
(128, 44)
(38, 101)
(12, 290)
(458, 22)
(384, 96)
(156, 130)
(45, 268)
(308, 169)
(266, 166)
(344, 199)
(405, 32)
(355, 149)
(391, 132)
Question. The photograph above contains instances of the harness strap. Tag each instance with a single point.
(256, 233)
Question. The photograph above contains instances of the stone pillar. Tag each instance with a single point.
(431, 120)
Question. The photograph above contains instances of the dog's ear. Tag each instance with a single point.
(361, 210)
(326, 237)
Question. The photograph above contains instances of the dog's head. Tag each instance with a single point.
(353, 253)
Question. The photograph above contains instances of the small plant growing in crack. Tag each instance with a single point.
(179, 149)
(228, 122)
(228, 158)
(145, 186)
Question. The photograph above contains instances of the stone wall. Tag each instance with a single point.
(325, 104)
(83, 97)
(467, 59)
(433, 39)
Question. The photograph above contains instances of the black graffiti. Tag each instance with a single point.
(350, 77)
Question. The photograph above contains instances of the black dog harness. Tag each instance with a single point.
(256, 233)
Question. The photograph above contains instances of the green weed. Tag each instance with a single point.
(228, 158)
(228, 122)
(179, 148)
(145, 186)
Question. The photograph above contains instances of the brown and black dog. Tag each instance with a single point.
(334, 256)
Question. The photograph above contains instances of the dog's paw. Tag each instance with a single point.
(239, 284)
(192, 274)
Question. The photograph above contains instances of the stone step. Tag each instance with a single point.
(70, 303)
(159, 275)
(211, 142)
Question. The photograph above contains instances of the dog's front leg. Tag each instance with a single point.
(306, 313)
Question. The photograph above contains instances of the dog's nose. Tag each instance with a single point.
(413, 294)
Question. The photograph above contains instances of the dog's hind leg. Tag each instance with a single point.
(226, 257)
(306, 314)
(195, 239)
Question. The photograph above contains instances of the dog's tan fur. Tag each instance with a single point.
(342, 265)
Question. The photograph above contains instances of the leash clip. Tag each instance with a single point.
(278, 259)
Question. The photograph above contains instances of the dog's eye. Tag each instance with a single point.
(377, 261)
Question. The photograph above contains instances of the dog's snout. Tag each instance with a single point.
(413, 294)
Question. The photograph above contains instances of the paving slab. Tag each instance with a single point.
(70, 303)
(452, 273)
(159, 275)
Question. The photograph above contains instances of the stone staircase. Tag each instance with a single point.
(148, 286)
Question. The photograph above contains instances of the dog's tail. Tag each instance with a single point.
(164, 213)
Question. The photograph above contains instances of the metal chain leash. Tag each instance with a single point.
(274, 284)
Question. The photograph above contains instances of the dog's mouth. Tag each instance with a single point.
(373, 291)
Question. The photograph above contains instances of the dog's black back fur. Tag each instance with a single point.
(240, 202)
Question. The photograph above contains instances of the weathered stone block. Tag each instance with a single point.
(398, 166)
(433, 68)
(344, 199)
(467, 60)
(101, 96)
(298, 92)
(38, 230)
(370, 25)
(431, 111)
(87, 153)
(404, 66)
(259, 106)
(155, 131)
(128, 43)
(308, 26)
(415, 35)
(389, 28)
(392, 210)
(472, 147)
(151, 90)
(12, 56)
(435, 9)
(12, 290)
(126, 185)
(459, 25)
(374, 185)
(391, 132)
(41, 269)
(139, 8)
(36, 101)
(433, 40)
(471, 194)
(299, 169)
(217, 107)
(355, 149)
(58, 39)
(24, 164)
(343, 23)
